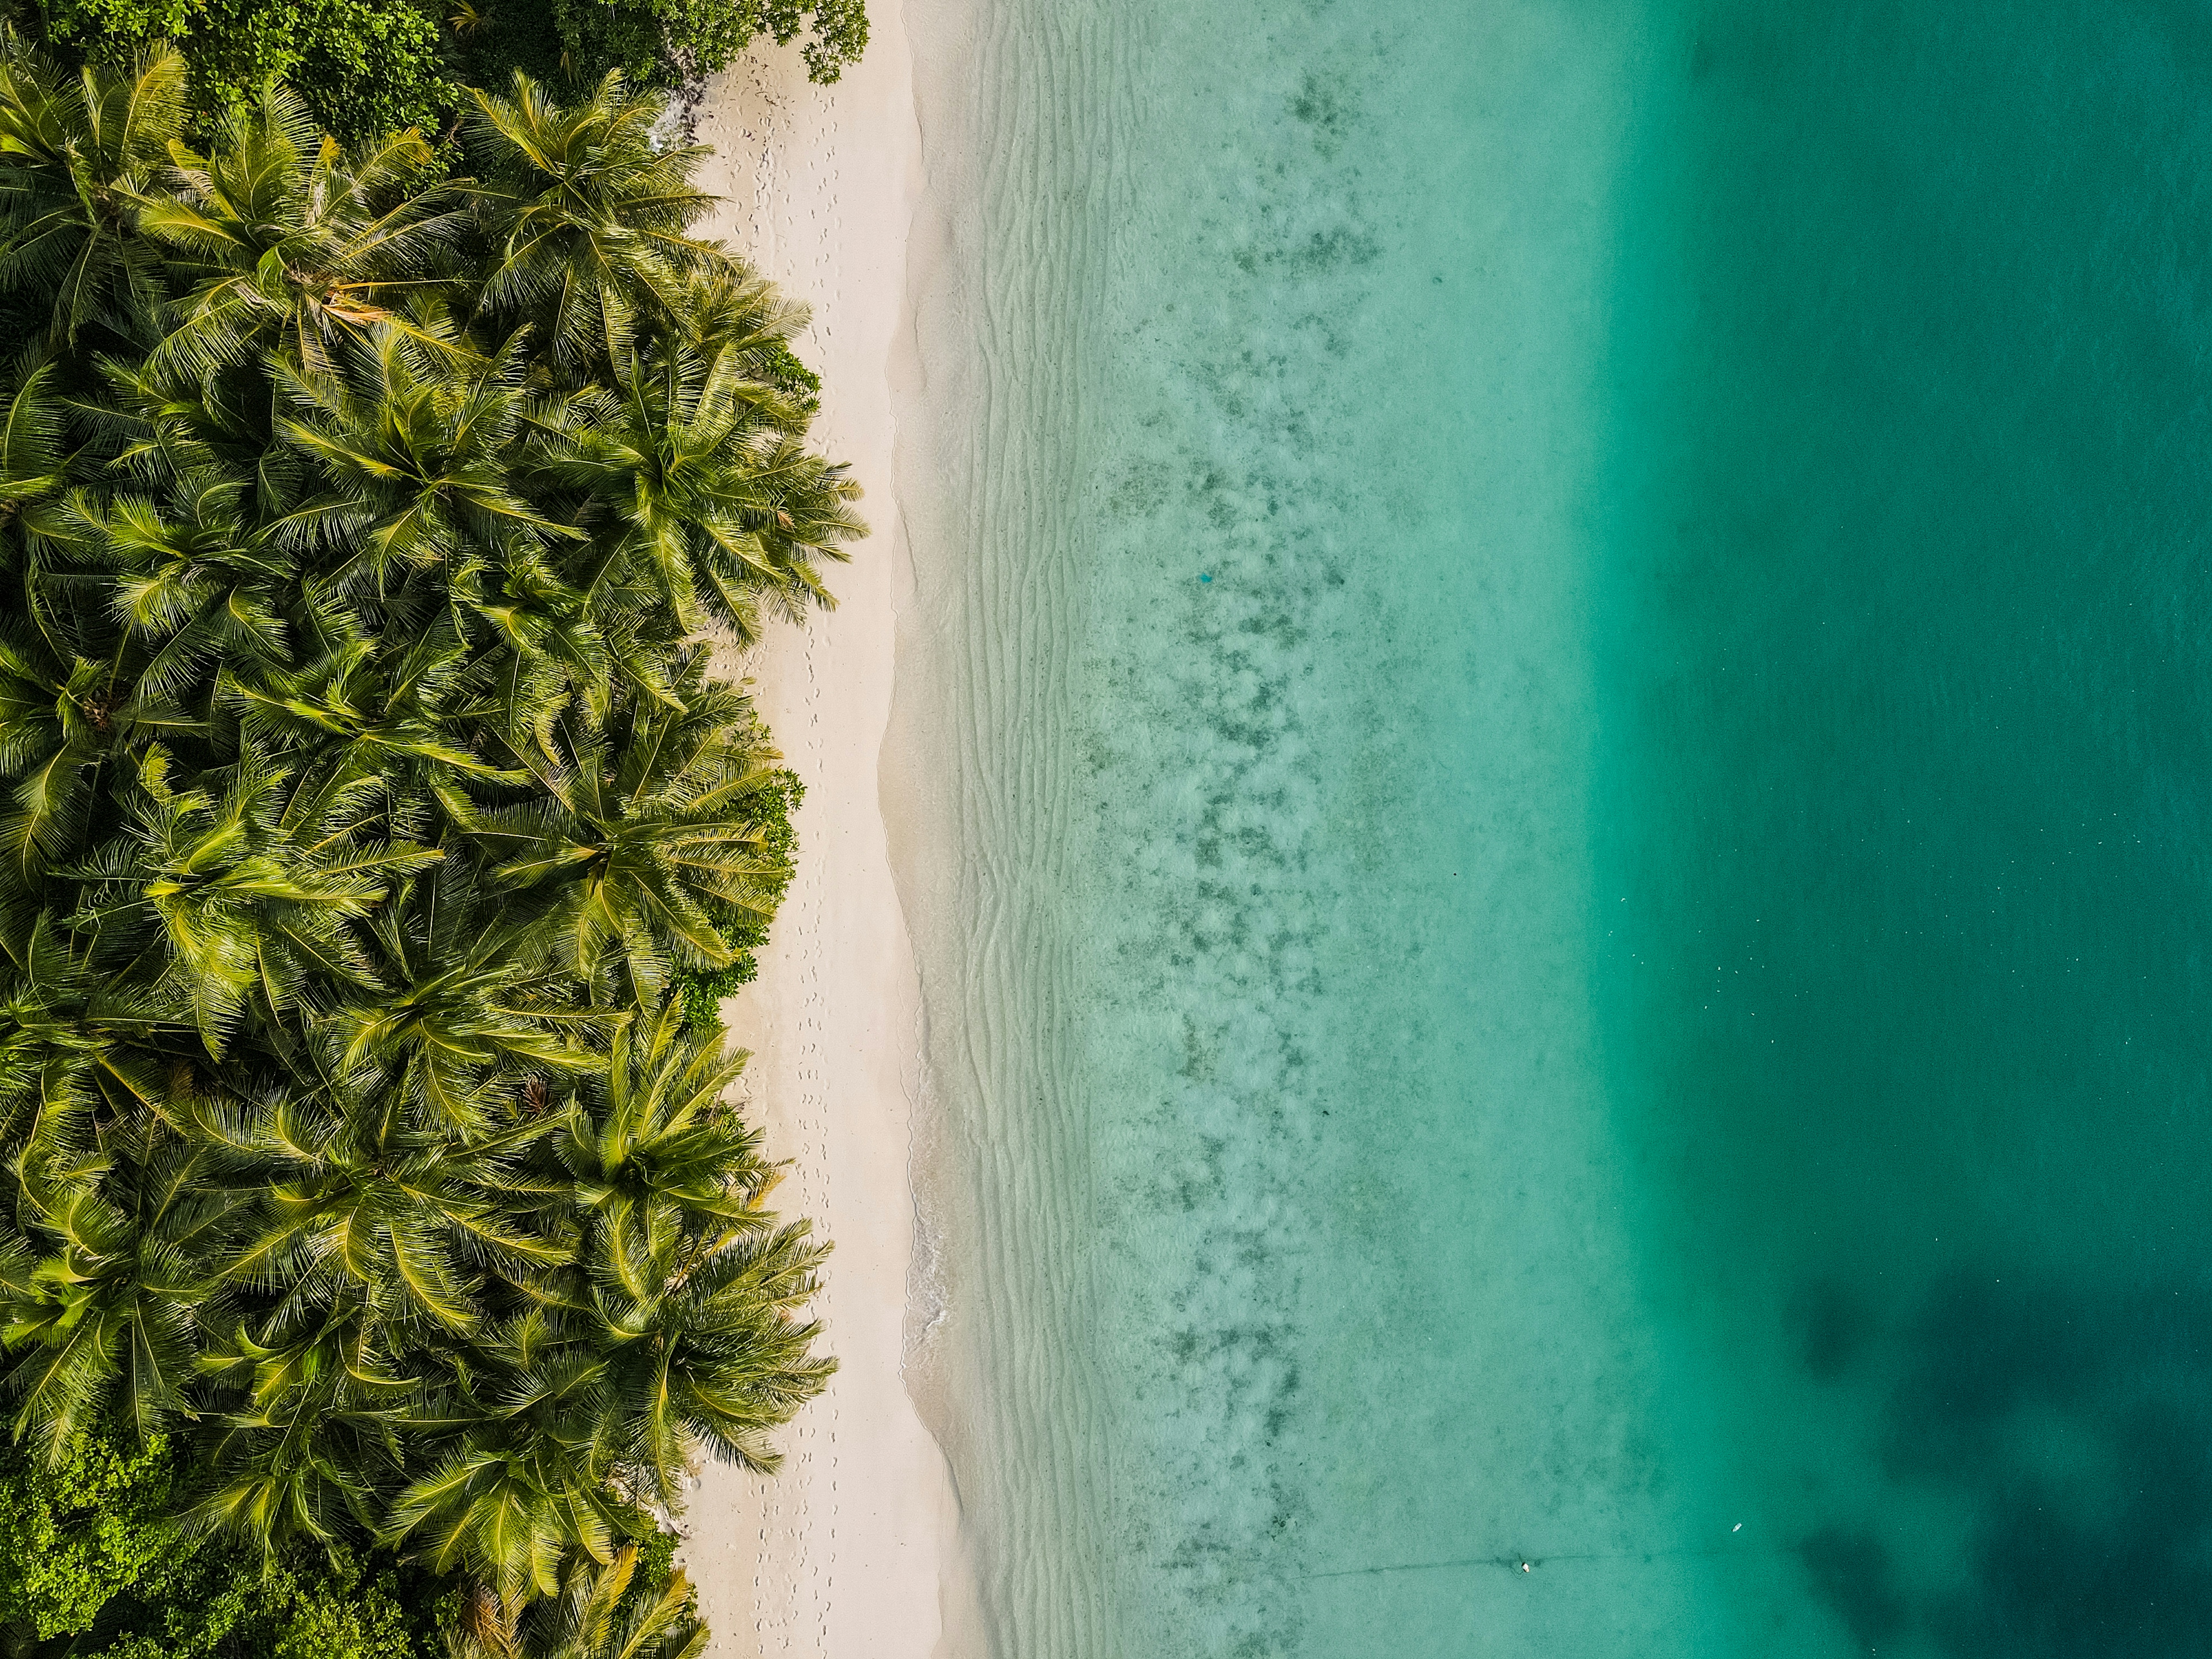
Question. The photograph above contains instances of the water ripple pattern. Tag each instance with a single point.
(1554, 713)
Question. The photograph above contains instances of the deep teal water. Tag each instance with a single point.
(1556, 727)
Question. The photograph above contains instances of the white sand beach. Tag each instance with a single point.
(843, 1553)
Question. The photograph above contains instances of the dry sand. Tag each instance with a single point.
(846, 1553)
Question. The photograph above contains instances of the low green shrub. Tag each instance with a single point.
(73, 1533)
(654, 42)
(93, 1561)
(365, 68)
(700, 990)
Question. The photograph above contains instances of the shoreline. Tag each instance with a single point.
(820, 186)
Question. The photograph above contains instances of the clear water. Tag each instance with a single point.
(1554, 732)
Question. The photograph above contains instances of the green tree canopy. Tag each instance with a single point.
(76, 1529)
(366, 69)
(372, 829)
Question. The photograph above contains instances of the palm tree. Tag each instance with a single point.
(586, 217)
(79, 154)
(78, 1045)
(302, 1423)
(520, 1502)
(101, 1279)
(598, 1613)
(414, 445)
(102, 1321)
(192, 580)
(236, 897)
(459, 1010)
(55, 705)
(350, 1204)
(693, 1287)
(656, 1145)
(640, 843)
(359, 1271)
(52, 712)
(290, 245)
(708, 1345)
(370, 733)
(715, 498)
(677, 1324)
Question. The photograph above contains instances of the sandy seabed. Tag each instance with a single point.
(850, 1552)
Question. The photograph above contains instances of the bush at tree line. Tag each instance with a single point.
(365, 68)
(374, 835)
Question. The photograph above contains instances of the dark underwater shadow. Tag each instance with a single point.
(2076, 1424)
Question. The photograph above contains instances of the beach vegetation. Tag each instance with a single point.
(380, 1244)
(366, 69)
(656, 42)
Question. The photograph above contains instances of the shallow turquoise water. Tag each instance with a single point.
(1555, 725)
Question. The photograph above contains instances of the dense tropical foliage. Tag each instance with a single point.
(374, 838)
(368, 68)
(95, 1558)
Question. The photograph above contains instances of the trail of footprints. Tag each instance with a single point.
(791, 1574)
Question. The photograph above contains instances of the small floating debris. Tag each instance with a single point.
(1205, 576)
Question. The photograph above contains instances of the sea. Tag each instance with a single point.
(1553, 749)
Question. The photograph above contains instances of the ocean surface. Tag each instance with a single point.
(1554, 741)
